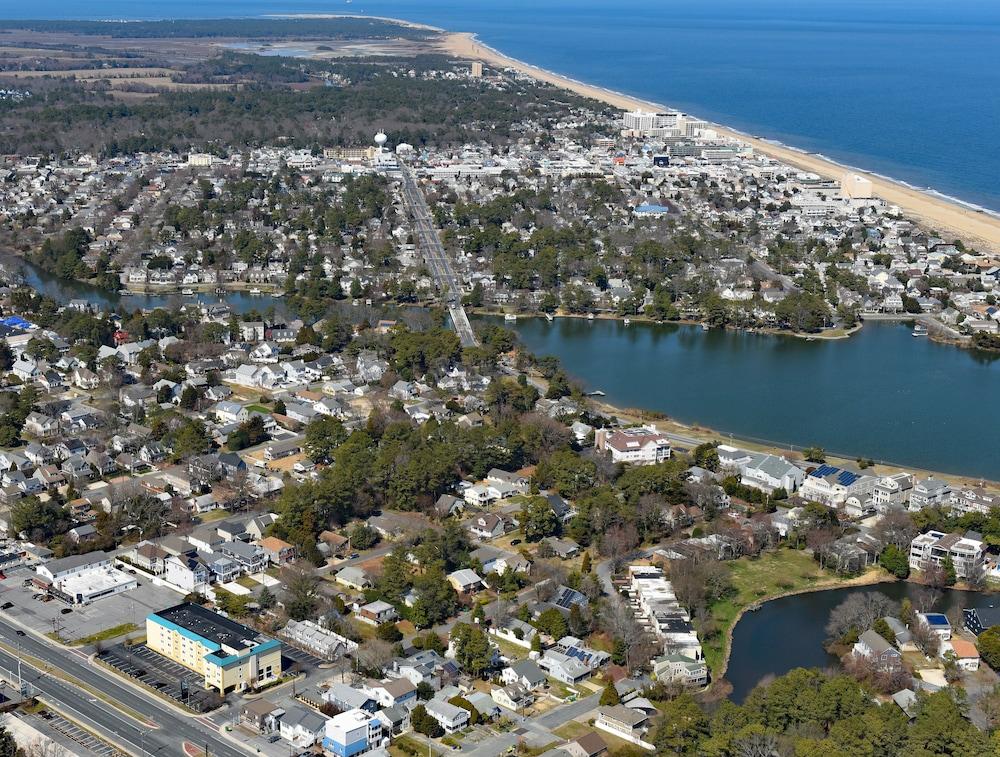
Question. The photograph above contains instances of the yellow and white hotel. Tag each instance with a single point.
(229, 655)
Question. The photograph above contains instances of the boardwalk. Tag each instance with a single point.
(436, 257)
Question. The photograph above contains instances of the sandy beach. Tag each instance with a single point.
(951, 219)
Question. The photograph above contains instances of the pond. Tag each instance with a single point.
(789, 632)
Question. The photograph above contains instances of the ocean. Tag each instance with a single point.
(906, 88)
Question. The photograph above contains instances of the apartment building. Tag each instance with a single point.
(967, 552)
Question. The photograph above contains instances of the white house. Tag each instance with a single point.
(639, 446)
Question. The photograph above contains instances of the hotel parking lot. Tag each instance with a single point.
(154, 670)
(83, 620)
(304, 660)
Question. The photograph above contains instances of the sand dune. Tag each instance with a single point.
(980, 229)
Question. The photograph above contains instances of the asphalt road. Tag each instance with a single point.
(165, 737)
(436, 257)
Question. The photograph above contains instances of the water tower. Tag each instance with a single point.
(380, 140)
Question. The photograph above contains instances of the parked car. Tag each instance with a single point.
(65, 611)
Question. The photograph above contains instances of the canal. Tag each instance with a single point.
(789, 632)
(880, 393)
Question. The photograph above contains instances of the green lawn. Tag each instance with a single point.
(107, 633)
(214, 515)
(407, 746)
(771, 574)
(259, 409)
(572, 730)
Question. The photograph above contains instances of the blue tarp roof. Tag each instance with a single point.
(16, 321)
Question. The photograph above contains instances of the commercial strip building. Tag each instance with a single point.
(82, 579)
(229, 655)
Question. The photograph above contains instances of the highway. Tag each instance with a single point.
(436, 257)
(165, 736)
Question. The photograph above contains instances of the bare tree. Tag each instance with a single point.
(759, 744)
(896, 527)
(858, 613)
(976, 577)
(925, 597)
(374, 655)
(926, 639)
(617, 542)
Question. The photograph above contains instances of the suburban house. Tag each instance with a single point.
(449, 716)
(391, 691)
(963, 651)
(770, 473)
(892, 491)
(872, 647)
(589, 745)
(465, 581)
(975, 500)
(353, 578)
(260, 715)
(277, 551)
(353, 732)
(515, 631)
(487, 526)
(563, 667)
(376, 613)
(929, 492)
(524, 673)
(512, 696)
(625, 723)
(832, 486)
(677, 668)
(301, 726)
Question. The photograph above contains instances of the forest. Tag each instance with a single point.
(250, 28)
(64, 116)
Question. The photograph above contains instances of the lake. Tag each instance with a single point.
(789, 632)
(880, 393)
(64, 290)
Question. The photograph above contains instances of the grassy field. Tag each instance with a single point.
(407, 746)
(774, 573)
(107, 633)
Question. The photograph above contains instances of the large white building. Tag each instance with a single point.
(934, 547)
(761, 471)
(644, 124)
(639, 446)
(82, 579)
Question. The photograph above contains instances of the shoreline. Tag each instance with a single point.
(870, 578)
(874, 577)
(702, 434)
(978, 226)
